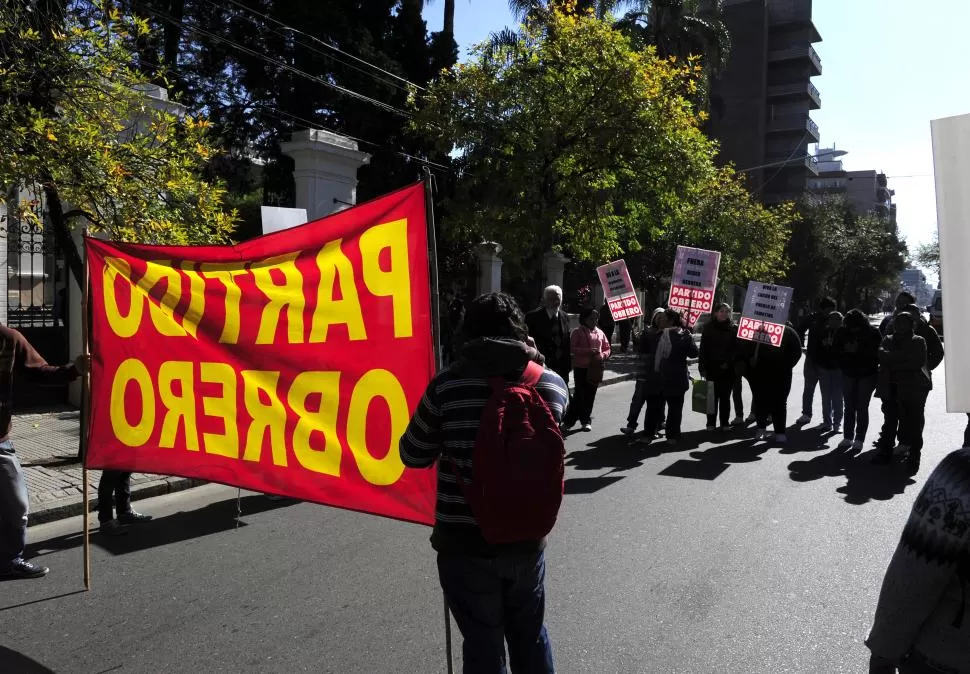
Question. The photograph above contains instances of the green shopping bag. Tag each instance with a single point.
(702, 396)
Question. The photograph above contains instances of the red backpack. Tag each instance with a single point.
(517, 465)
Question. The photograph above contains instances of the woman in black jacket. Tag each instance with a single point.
(856, 345)
(718, 355)
(667, 378)
(770, 373)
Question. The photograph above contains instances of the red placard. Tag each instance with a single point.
(288, 364)
(691, 302)
(761, 331)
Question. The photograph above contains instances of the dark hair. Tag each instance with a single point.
(586, 313)
(674, 318)
(494, 315)
(856, 318)
(912, 310)
(827, 303)
(907, 316)
(906, 296)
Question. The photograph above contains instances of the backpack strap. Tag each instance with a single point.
(532, 374)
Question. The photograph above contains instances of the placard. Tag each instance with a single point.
(766, 308)
(621, 297)
(693, 282)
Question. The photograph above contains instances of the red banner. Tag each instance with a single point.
(288, 364)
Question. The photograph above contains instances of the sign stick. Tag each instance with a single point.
(85, 421)
(436, 339)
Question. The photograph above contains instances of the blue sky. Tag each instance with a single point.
(889, 67)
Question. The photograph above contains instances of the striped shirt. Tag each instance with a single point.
(445, 425)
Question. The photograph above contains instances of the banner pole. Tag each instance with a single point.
(85, 413)
(436, 340)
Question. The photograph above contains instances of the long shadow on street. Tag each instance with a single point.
(14, 662)
(864, 482)
(182, 526)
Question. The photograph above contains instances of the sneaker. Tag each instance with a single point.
(566, 427)
(901, 449)
(628, 430)
(837, 426)
(131, 517)
(587, 428)
(845, 444)
(826, 427)
(738, 421)
(750, 419)
(671, 442)
(804, 419)
(112, 528)
(21, 568)
(723, 429)
(858, 445)
(711, 428)
(911, 463)
(760, 434)
(781, 439)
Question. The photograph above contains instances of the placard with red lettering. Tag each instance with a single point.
(766, 308)
(621, 296)
(693, 282)
(288, 364)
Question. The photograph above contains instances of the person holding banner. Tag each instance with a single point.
(644, 370)
(815, 326)
(590, 349)
(668, 377)
(826, 359)
(857, 345)
(718, 355)
(18, 357)
(770, 373)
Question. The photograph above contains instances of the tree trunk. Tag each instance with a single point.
(449, 25)
(62, 235)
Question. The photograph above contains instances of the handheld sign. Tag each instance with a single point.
(693, 282)
(620, 295)
(765, 312)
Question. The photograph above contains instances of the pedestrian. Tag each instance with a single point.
(904, 376)
(922, 619)
(606, 322)
(668, 377)
(934, 356)
(829, 371)
(18, 357)
(718, 356)
(857, 346)
(626, 331)
(114, 489)
(549, 328)
(590, 349)
(770, 373)
(644, 367)
(815, 325)
(496, 592)
(903, 300)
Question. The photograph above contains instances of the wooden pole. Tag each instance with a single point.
(85, 414)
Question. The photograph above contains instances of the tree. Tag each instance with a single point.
(567, 138)
(681, 28)
(537, 8)
(928, 255)
(74, 119)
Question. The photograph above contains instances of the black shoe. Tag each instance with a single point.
(131, 517)
(882, 457)
(21, 568)
(112, 528)
(911, 463)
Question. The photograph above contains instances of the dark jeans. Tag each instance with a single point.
(626, 329)
(771, 400)
(114, 488)
(811, 381)
(14, 505)
(857, 392)
(581, 406)
(912, 419)
(675, 414)
(723, 387)
(497, 600)
(890, 419)
(738, 397)
(830, 381)
(636, 405)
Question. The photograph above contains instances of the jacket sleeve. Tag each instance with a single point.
(421, 443)
(912, 357)
(692, 350)
(32, 366)
(605, 349)
(703, 351)
(792, 346)
(804, 326)
(934, 347)
(575, 342)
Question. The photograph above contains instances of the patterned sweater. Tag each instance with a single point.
(445, 427)
(924, 605)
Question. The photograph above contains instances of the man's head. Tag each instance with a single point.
(552, 298)
(494, 315)
(674, 319)
(827, 304)
(904, 299)
(834, 321)
(904, 325)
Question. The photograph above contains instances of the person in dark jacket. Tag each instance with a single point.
(815, 326)
(18, 357)
(495, 592)
(823, 353)
(718, 355)
(857, 347)
(644, 356)
(667, 376)
(903, 300)
(934, 356)
(549, 328)
(904, 376)
(770, 373)
(606, 323)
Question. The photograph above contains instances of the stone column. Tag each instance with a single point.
(325, 171)
(553, 268)
(489, 267)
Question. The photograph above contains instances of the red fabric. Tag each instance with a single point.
(287, 364)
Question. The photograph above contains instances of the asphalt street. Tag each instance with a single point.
(718, 555)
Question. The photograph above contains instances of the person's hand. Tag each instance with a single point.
(82, 363)
(880, 665)
(531, 342)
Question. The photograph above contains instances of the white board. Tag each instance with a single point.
(951, 163)
(276, 219)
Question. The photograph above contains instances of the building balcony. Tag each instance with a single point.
(884, 193)
(794, 124)
(788, 163)
(803, 53)
(795, 92)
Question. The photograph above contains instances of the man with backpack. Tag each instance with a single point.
(490, 422)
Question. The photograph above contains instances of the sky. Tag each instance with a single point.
(888, 68)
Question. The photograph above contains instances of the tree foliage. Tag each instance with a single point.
(570, 138)
(928, 255)
(75, 119)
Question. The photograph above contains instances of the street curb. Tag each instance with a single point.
(74, 505)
